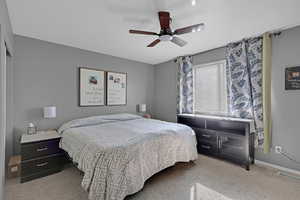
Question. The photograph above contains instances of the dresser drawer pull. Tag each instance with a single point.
(205, 146)
(206, 136)
(42, 149)
(42, 164)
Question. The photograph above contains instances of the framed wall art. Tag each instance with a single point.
(292, 78)
(91, 87)
(116, 88)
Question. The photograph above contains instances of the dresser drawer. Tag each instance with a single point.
(207, 148)
(191, 122)
(204, 135)
(227, 126)
(38, 149)
(40, 165)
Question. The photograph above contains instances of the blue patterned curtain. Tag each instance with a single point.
(244, 82)
(185, 85)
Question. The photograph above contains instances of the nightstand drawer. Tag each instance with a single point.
(38, 149)
(42, 166)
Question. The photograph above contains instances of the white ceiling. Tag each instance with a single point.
(102, 25)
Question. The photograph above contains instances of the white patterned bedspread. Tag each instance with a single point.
(118, 153)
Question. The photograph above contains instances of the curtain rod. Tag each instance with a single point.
(275, 34)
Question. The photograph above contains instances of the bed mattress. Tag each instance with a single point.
(118, 153)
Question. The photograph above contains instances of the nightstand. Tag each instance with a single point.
(41, 155)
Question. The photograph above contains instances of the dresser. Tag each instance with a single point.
(226, 138)
(41, 155)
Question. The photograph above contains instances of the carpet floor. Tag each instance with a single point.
(205, 179)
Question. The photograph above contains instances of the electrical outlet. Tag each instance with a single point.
(278, 149)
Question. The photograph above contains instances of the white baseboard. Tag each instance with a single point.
(258, 162)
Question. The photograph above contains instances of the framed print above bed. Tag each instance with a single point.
(116, 88)
(91, 87)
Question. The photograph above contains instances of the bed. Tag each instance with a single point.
(118, 153)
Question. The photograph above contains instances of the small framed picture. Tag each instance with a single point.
(292, 78)
(116, 88)
(91, 87)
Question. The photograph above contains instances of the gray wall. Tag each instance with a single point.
(9, 108)
(285, 104)
(6, 38)
(47, 74)
(2, 112)
(6, 26)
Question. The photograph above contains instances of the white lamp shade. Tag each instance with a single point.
(142, 107)
(50, 112)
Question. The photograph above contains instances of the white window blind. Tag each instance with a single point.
(210, 92)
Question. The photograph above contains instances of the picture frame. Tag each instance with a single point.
(116, 92)
(92, 87)
(292, 78)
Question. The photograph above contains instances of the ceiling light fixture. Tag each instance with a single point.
(193, 2)
(166, 38)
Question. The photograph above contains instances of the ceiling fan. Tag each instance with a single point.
(166, 34)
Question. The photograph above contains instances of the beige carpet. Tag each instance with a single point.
(206, 179)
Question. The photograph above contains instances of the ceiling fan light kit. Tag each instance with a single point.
(166, 33)
(165, 38)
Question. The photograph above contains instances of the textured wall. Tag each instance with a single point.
(47, 74)
(285, 104)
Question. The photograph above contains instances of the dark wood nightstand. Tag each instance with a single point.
(41, 155)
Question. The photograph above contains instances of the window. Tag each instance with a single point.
(210, 92)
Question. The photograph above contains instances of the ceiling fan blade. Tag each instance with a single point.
(155, 42)
(142, 32)
(164, 20)
(189, 29)
(178, 41)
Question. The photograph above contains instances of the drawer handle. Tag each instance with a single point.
(42, 149)
(42, 164)
(206, 136)
(205, 146)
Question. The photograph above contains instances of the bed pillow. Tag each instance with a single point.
(99, 119)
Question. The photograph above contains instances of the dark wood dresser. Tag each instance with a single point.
(227, 138)
(41, 155)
